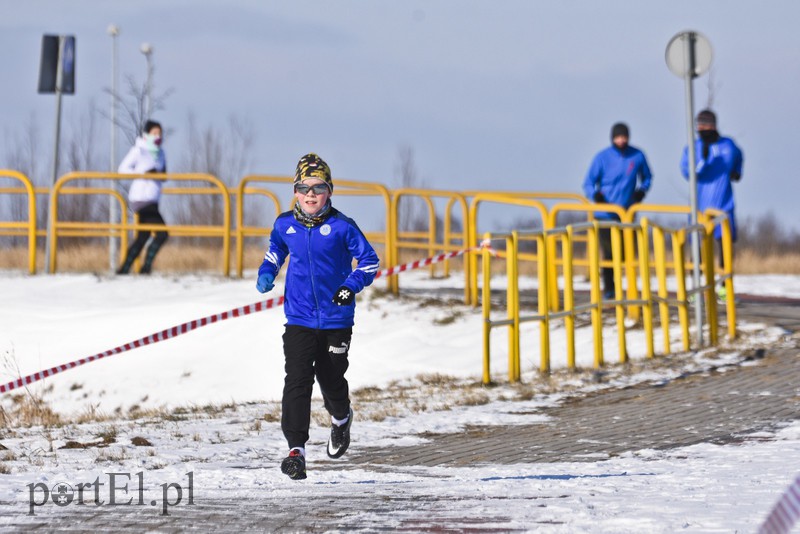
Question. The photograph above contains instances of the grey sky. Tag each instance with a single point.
(501, 94)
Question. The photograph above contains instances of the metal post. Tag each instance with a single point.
(113, 209)
(59, 81)
(147, 50)
(688, 50)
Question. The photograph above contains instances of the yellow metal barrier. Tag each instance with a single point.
(93, 229)
(712, 218)
(530, 195)
(566, 237)
(242, 231)
(341, 188)
(12, 228)
(472, 225)
(589, 210)
(431, 246)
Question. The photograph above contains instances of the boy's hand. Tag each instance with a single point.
(265, 282)
(344, 296)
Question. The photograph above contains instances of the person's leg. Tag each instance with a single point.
(153, 217)
(299, 347)
(606, 253)
(141, 239)
(330, 366)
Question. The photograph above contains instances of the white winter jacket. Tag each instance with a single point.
(140, 160)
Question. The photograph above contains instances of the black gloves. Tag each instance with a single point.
(638, 196)
(344, 296)
(735, 176)
(599, 198)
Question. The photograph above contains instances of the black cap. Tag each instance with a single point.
(707, 118)
(618, 129)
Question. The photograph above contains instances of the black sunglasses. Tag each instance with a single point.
(318, 189)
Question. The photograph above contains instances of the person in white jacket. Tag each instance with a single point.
(146, 156)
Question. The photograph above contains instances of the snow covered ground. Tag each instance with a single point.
(49, 320)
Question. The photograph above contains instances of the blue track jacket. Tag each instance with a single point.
(615, 174)
(714, 188)
(321, 261)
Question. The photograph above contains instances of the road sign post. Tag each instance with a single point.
(688, 56)
(56, 75)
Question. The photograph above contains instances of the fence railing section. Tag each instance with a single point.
(24, 226)
(649, 258)
(61, 228)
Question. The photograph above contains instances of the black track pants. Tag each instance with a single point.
(147, 215)
(313, 353)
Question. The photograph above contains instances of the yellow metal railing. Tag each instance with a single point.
(472, 225)
(94, 228)
(647, 300)
(426, 241)
(24, 227)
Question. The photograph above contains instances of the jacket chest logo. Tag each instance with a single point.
(325, 229)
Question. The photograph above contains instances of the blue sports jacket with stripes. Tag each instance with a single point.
(321, 261)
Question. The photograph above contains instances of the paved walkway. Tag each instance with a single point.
(721, 406)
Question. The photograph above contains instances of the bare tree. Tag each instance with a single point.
(82, 144)
(23, 154)
(132, 104)
(222, 152)
(81, 155)
(411, 211)
(713, 87)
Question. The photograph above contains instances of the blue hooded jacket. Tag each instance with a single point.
(321, 261)
(714, 188)
(614, 173)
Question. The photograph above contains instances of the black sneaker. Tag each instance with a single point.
(294, 465)
(340, 437)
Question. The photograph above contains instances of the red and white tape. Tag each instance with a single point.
(184, 328)
(427, 261)
(785, 513)
(169, 333)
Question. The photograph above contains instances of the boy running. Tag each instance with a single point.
(319, 305)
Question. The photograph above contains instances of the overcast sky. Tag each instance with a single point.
(515, 95)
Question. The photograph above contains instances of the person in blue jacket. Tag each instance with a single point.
(320, 290)
(718, 163)
(618, 175)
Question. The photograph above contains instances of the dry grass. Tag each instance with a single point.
(27, 409)
(178, 257)
(748, 262)
(173, 258)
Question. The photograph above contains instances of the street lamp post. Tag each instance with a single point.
(147, 50)
(113, 210)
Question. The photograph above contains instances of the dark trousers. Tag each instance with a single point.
(313, 353)
(147, 215)
(606, 252)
